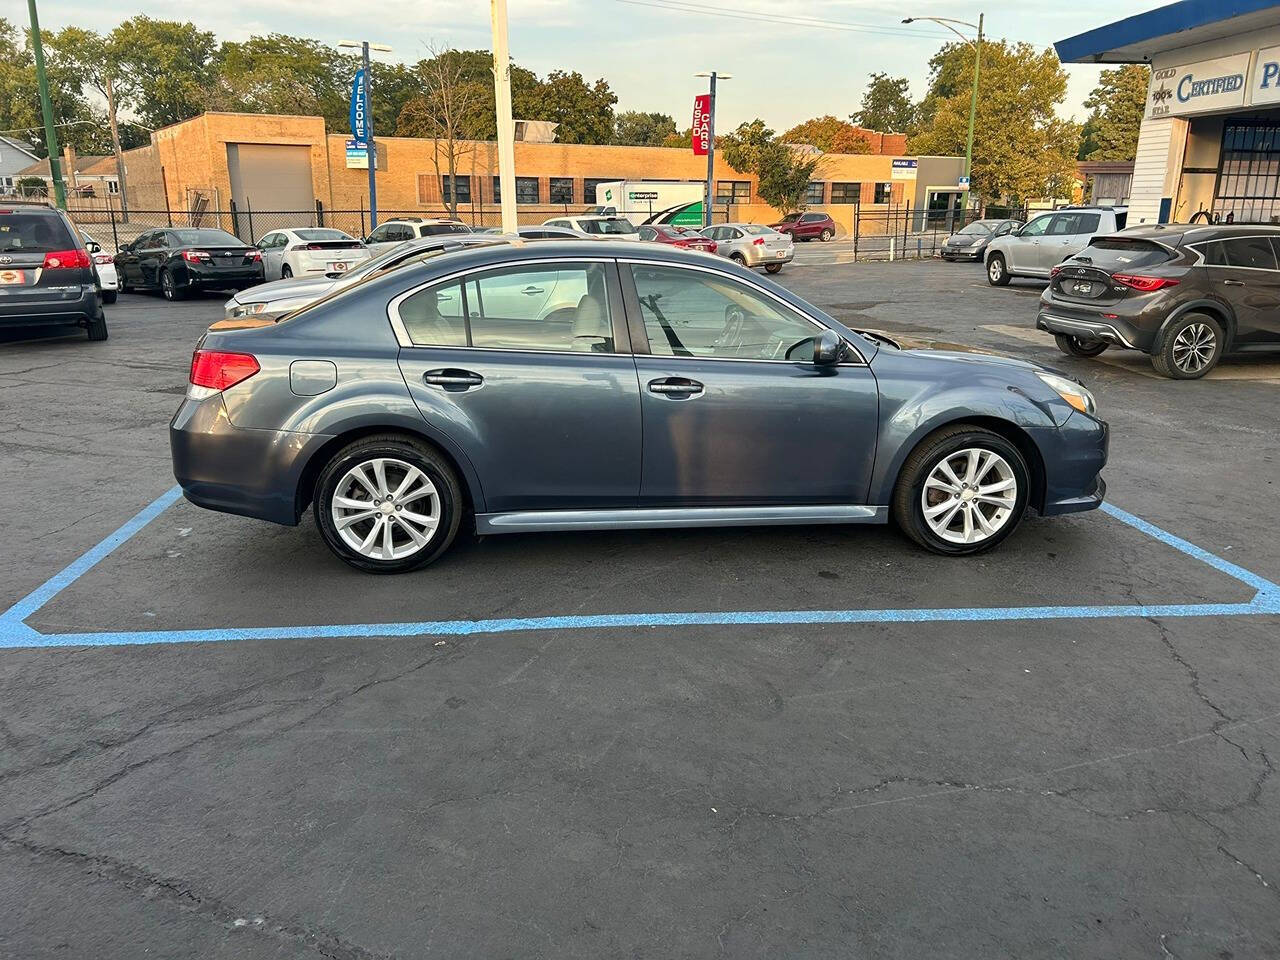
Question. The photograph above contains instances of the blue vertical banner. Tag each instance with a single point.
(359, 108)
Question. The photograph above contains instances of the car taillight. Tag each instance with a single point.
(681, 243)
(758, 242)
(103, 258)
(254, 256)
(712, 247)
(313, 246)
(66, 259)
(1143, 284)
(196, 256)
(1054, 272)
(219, 370)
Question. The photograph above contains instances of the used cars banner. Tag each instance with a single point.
(701, 124)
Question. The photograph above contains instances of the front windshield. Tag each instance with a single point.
(613, 225)
(978, 228)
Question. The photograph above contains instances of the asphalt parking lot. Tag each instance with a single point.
(748, 743)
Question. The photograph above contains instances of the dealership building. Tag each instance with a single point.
(1210, 139)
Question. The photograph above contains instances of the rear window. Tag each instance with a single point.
(1129, 254)
(756, 230)
(34, 233)
(310, 235)
(189, 237)
(439, 229)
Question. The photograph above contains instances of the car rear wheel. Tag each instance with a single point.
(772, 267)
(286, 272)
(961, 491)
(827, 235)
(1191, 348)
(169, 286)
(1075, 347)
(387, 504)
(997, 272)
(97, 327)
(739, 259)
(108, 296)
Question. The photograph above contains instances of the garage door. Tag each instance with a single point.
(267, 178)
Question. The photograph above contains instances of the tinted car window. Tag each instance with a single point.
(1087, 222)
(34, 233)
(438, 229)
(813, 217)
(696, 314)
(1126, 254)
(183, 238)
(1254, 252)
(319, 235)
(1062, 224)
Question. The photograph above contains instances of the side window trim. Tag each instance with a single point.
(640, 335)
(1201, 248)
(623, 339)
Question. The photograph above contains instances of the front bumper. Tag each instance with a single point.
(74, 305)
(961, 253)
(251, 473)
(1074, 477)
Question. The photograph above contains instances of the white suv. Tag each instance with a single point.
(1045, 241)
(395, 230)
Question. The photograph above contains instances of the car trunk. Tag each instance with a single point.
(224, 259)
(1087, 277)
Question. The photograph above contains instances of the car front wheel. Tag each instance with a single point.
(1191, 348)
(827, 235)
(997, 272)
(961, 491)
(1075, 347)
(387, 504)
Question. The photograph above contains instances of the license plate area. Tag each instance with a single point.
(338, 266)
(12, 278)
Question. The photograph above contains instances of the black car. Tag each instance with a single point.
(180, 260)
(46, 274)
(1185, 295)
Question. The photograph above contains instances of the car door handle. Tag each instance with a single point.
(452, 379)
(532, 291)
(1233, 283)
(677, 388)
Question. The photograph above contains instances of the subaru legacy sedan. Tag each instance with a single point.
(568, 386)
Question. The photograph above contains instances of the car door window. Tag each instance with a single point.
(732, 233)
(381, 234)
(1036, 227)
(1254, 253)
(647, 233)
(1062, 224)
(692, 313)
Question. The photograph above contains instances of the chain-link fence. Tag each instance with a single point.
(108, 225)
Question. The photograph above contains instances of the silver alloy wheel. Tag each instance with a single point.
(1193, 347)
(995, 268)
(378, 509)
(167, 285)
(969, 495)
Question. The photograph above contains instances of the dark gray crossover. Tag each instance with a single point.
(537, 386)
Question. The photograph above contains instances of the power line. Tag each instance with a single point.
(682, 6)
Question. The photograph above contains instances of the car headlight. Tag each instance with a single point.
(1070, 391)
(247, 309)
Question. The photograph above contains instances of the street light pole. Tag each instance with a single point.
(371, 148)
(973, 99)
(711, 143)
(46, 108)
(506, 123)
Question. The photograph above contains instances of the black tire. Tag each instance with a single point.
(414, 452)
(908, 494)
(1177, 359)
(827, 235)
(286, 272)
(169, 286)
(1075, 347)
(739, 259)
(108, 296)
(97, 327)
(997, 271)
(773, 268)
(123, 283)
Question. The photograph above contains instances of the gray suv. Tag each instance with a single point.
(1043, 242)
(562, 386)
(46, 274)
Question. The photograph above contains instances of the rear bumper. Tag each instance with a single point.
(763, 260)
(223, 278)
(251, 473)
(1089, 326)
(76, 307)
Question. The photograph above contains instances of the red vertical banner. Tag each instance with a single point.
(701, 124)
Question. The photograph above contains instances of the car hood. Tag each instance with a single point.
(962, 353)
(285, 289)
(962, 239)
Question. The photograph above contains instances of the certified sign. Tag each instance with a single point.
(1266, 76)
(1198, 87)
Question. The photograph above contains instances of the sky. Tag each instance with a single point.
(649, 50)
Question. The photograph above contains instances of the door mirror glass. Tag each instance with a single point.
(827, 348)
(93, 247)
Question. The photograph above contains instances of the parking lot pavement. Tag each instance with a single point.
(1086, 784)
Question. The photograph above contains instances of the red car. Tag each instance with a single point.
(677, 237)
(806, 226)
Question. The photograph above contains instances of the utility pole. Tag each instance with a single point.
(711, 143)
(506, 123)
(973, 114)
(46, 108)
(109, 88)
(371, 148)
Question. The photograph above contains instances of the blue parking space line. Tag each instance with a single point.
(16, 633)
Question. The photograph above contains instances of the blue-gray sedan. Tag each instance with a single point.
(527, 386)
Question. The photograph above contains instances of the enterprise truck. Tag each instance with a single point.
(677, 202)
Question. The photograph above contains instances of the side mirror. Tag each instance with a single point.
(827, 348)
(93, 247)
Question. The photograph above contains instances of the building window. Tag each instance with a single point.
(459, 191)
(846, 192)
(589, 185)
(113, 186)
(562, 189)
(884, 192)
(816, 193)
(1248, 188)
(526, 190)
(733, 191)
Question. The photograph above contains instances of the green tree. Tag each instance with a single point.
(283, 74)
(173, 65)
(886, 106)
(1116, 107)
(83, 126)
(829, 135)
(783, 172)
(583, 111)
(635, 129)
(1021, 148)
(683, 139)
(473, 68)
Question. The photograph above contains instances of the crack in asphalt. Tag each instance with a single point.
(183, 896)
(1252, 869)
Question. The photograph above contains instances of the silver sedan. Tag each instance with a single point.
(752, 245)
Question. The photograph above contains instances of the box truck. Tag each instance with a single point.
(652, 201)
